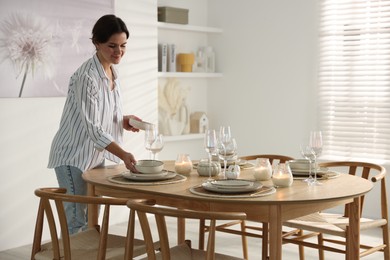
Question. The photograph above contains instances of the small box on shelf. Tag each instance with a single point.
(172, 15)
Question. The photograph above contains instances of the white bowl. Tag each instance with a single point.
(149, 166)
(139, 124)
(299, 164)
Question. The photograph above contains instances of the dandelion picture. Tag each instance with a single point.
(28, 42)
(40, 48)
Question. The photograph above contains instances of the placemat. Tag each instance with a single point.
(263, 191)
(122, 180)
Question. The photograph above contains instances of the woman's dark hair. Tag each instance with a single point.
(106, 26)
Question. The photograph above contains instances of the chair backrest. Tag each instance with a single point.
(273, 158)
(142, 207)
(59, 196)
(370, 171)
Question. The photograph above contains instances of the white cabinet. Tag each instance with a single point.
(188, 38)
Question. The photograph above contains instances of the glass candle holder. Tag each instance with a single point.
(263, 169)
(183, 164)
(282, 176)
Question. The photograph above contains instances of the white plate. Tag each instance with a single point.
(139, 124)
(232, 183)
(146, 177)
(306, 172)
(236, 189)
(150, 175)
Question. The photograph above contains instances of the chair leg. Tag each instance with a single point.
(244, 241)
(321, 255)
(301, 248)
(385, 234)
(202, 227)
(264, 242)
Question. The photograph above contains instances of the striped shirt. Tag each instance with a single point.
(92, 119)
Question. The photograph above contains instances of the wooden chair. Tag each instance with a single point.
(247, 230)
(93, 243)
(183, 251)
(322, 224)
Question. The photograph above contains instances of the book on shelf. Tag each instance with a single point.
(162, 57)
(171, 58)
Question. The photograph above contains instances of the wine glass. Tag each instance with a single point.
(227, 151)
(210, 145)
(157, 145)
(225, 134)
(307, 153)
(316, 146)
(151, 134)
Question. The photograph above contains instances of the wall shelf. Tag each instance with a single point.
(188, 75)
(174, 138)
(186, 27)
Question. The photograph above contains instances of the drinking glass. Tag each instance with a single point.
(227, 151)
(307, 153)
(154, 142)
(157, 145)
(211, 146)
(225, 134)
(316, 146)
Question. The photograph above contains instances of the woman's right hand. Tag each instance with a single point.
(129, 162)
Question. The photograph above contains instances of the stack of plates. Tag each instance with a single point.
(160, 176)
(140, 124)
(232, 186)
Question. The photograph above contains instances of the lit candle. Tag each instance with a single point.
(282, 176)
(183, 167)
(183, 164)
(282, 180)
(263, 169)
(262, 173)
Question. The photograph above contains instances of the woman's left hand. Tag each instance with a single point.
(126, 124)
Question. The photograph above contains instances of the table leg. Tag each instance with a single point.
(353, 230)
(92, 209)
(275, 233)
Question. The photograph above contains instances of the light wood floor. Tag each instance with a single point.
(226, 243)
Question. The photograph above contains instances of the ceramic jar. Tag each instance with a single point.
(205, 168)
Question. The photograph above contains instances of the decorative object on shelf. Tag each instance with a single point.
(173, 109)
(186, 61)
(200, 61)
(172, 15)
(210, 59)
(198, 122)
(183, 164)
(282, 175)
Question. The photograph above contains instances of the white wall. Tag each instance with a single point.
(267, 54)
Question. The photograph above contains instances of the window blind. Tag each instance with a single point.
(354, 80)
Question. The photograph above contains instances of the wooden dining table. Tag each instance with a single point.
(285, 203)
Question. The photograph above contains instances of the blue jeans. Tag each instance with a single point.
(69, 177)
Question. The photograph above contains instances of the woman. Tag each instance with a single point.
(92, 123)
